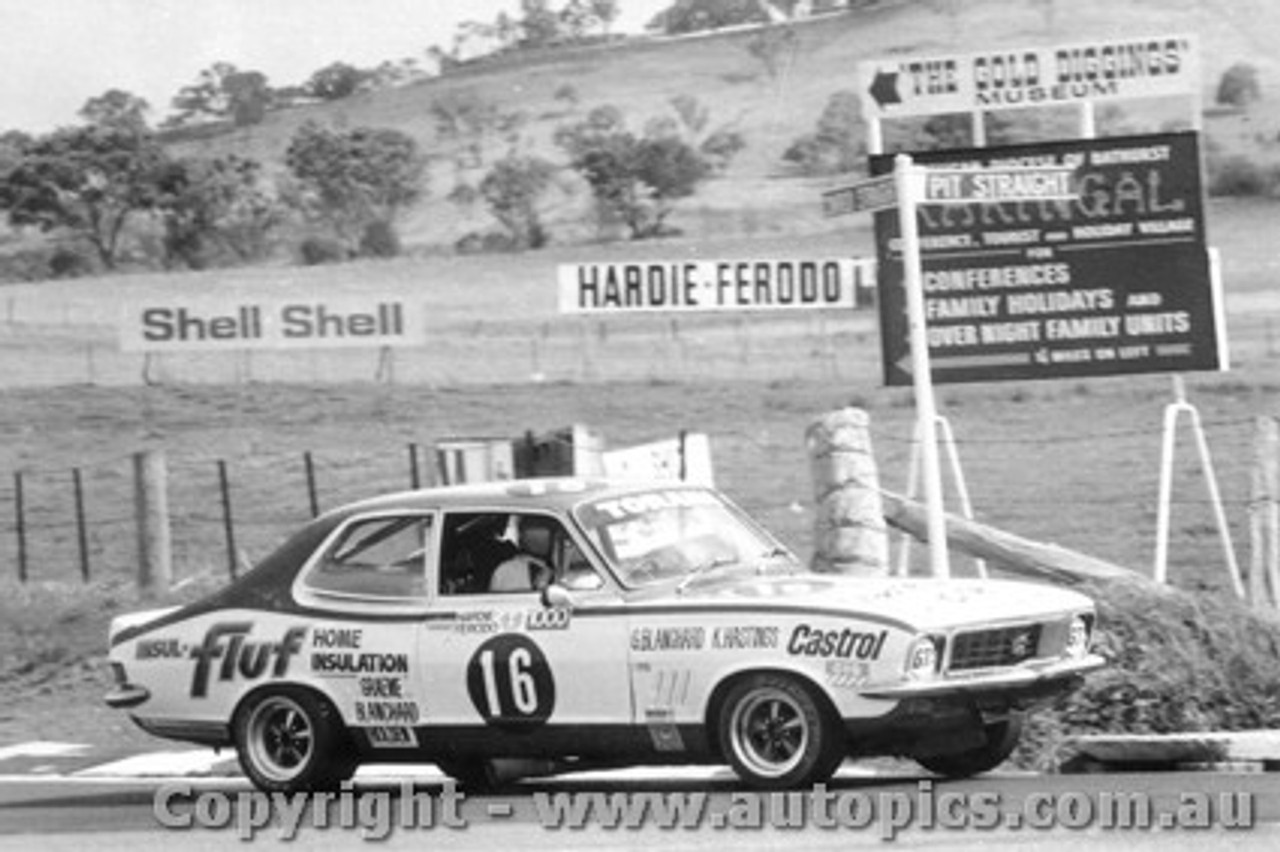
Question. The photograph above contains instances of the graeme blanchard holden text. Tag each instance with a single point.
(379, 811)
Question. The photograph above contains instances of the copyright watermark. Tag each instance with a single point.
(376, 813)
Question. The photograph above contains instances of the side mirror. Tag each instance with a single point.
(556, 596)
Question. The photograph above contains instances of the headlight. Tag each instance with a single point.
(922, 658)
(1077, 638)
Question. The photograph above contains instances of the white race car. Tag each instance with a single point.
(556, 625)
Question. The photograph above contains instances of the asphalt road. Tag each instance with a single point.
(1181, 811)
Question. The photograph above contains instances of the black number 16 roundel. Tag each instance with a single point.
(510, 683)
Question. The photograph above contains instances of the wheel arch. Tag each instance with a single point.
(289, 687)
(715, 702)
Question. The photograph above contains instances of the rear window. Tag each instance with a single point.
(381, 557)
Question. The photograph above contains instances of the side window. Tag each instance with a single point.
(473, 544)
(381, 557)
(509, 553)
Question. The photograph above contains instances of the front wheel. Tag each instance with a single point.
(777, 735)
(1002, 739)
(290, 741)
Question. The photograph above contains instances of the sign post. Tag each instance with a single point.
(908, 178)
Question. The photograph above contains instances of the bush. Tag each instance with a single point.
(1179, 662)
(1237, 175)
(69, 263)
(1239, 85)
(380, 240)
(320, 250)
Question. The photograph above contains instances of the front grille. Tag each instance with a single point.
(985, 649)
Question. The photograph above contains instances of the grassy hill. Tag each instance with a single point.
(757, 195)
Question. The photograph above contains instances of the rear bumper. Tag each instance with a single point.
(126, 695)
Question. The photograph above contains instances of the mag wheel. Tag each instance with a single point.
(1002, 739)
(776, 735)
(292, 741)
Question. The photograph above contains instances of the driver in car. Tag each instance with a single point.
(530, 569)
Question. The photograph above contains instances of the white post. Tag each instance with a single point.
(875, 136)
(902, 568)
(1088, 120)
(1171, 412)
(979, 128)
(908, 179)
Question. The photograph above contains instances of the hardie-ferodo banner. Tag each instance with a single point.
(1114, 282)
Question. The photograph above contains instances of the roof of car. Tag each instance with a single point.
(551, 493)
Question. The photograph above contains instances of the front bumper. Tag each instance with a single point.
(1028, 679)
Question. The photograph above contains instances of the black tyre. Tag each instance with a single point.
(291, 741)
(777, 735)
(1002, 739)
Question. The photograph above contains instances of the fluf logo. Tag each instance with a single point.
(227, 642)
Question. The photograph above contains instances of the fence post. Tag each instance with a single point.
(850, 533)
(415, 473)
(1264, 516)
(314, 500)
(20, 518)
(82, 532)
(228, 524)
(151, 505)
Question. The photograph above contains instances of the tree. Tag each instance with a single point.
(636, 179)
(215, 206)
(250, 97)
(1238, 85)
(512, 189)
(224, 91)
(336, 81)
(116, 108)
(687, 16)
(835, 146)
(540, 25)
(87, 180)
(348, 181)
(774, 47)
(604, 11)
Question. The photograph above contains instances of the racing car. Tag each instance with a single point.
(554, 625)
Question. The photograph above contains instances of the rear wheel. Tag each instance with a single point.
(1002, 739)
(292, 740)
(777, 735)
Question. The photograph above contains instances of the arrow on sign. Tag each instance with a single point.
(884, 88)
(939, 363)
(866, 197)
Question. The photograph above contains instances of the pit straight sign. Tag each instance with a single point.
(1100, 70)
(196, 324)
(1115, 281)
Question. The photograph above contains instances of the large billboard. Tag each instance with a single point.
(756, 284)
(202, 324)
(1003, 78)
(1115, 281)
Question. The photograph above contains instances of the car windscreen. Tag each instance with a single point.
(659, 535)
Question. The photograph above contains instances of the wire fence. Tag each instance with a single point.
(65, 524)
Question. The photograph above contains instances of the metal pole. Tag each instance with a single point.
(907, 177)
